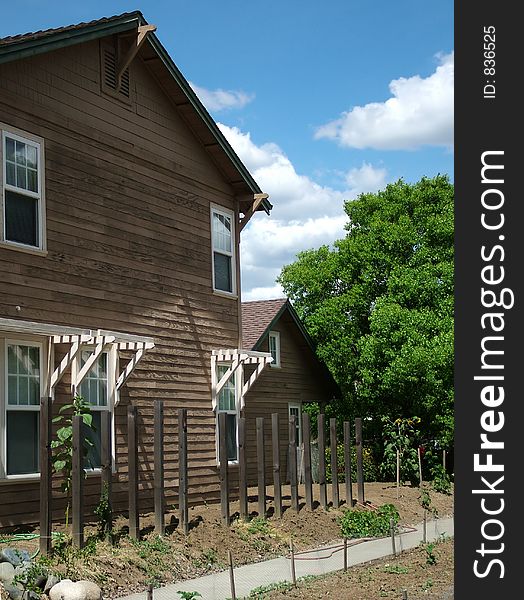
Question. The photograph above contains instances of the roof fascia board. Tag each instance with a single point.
(59, 40)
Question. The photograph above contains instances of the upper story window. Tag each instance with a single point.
(274, 348)
(22, 190)
(223, 244)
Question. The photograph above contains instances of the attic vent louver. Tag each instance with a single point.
(109, 80)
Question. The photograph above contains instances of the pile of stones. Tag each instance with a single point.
(15, 565)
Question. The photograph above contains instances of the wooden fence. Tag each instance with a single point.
(240, 491)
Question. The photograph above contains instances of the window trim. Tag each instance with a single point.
(4, 343)
(6, 131)
(229, 412)
(221, 210)
(277, 362)
(112, 394)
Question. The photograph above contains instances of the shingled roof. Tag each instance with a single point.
(257, 316)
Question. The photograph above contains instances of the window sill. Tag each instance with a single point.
(10, 479)
(26, 249)
(275, 366)
(225, 294)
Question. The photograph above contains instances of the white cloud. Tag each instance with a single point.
(217, 100)
(419, 113)
(305, 214)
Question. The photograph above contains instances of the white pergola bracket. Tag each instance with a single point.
(140, 349)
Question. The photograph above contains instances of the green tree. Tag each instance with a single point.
(379, 305)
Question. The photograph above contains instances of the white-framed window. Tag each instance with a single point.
(22, 186)
(22, 384)
(274, 348)
(295, 410)
(227, 403)
(223, 250)
(98, 389)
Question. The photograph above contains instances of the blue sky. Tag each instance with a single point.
(322, 101)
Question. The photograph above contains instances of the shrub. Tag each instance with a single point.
(365, 523)
(368, 461)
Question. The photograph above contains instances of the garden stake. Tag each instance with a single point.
(424, 529)
(398, 474)
(345, 554)
(293, 573)
(392, 529)
(150, 592)
(420, 466)
(231, 575)
(404, 595)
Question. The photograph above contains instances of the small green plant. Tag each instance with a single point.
(428, 584)
(189, 595)
(207, 558)
(396, 569)
(425, 501)
(104, 513)
(62, 447)
(366, 523)
(258, 525)
(29, 577)
(441, 481)
(431, 559)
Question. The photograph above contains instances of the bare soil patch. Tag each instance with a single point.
(129, 566)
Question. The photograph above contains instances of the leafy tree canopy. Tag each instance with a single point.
(379, 304)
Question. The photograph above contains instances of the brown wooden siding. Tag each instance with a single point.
(128, 193)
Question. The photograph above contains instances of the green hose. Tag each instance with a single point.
(18, 537)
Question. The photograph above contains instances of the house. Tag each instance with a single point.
(121, 208)
(296, 376)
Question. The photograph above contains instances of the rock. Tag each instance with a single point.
(51, 581)
(15, 593)
(91, 590)
(40, 581)
(81, 590)
(14, 556)
(7, 572)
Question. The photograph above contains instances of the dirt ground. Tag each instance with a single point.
(130, 566)
(385, 578)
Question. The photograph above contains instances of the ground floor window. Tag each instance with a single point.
(295, 410)
(20, 419)
(227, 403)
(95, 389)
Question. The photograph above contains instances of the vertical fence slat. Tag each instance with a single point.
(77, 480)
(224, 475)
(360, 460)
(293, 475)
(322, 461)
(132, 464)
(347, 463)
(45, 475)
(261, 467)
(334, 462)
(308, 481)
(159, 467)
(182, 469)
(106, 449)
(242, 468)
(277, 484)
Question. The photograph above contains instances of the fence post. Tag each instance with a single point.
(224, 475)
(293, 475)
(77, 481)
(360, 461)
(242, 468)
(159, 467)
(261, 467)
(45, 475)
(308, 482)
(107, 466)
(322, 461)
(347, 463)
(182, 469)
(277, 485)
(334, 462)
(132, 465)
